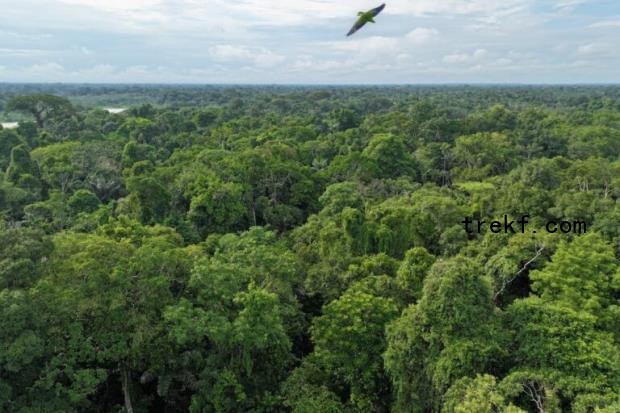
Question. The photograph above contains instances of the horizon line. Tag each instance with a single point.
(52, 83)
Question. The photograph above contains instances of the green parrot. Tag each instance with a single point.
(365, 17)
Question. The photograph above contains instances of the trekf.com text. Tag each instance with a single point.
(515, 225)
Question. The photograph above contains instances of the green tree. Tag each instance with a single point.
(43, 107)
(558, 353)
(148, 200)
(413, 270)
(581, 276)
(104, 296)
(480, 394)
(483, 154)
(220, 208)
(239, 314)
(348, 344)
(24, 172)
(453, 331)
(83, 200)
(389, 157)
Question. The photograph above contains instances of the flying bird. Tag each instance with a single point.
(365, 17)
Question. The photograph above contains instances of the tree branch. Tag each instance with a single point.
(518, 273)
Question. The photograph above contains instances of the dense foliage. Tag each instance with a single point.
(271, 249)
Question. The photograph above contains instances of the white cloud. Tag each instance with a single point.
(308, 63)
(114, 5)
(368, 45)
(456, 58)
(455, 7)
(105, 73)
(23, 36)
(227, 52)
(476, 55)
(568, 4)
(592, 49)
(503, 61)
(606, 23)
(24, 53)
(132, 13)
(277, 12)
(421, 35)
(479, 53)
(40, 72)
(303, 40)
(259, 57)
(166, 14)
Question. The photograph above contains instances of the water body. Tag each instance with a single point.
(13, 125)
(115, 110)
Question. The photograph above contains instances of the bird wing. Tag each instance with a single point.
(361, 21)
(358, 25)
(377, 10)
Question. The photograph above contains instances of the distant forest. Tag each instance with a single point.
(302, 249)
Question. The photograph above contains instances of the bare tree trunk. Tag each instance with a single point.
(38, 116)
(525, 267)
(126, 381)
(536, 393)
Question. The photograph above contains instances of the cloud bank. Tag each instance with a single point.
(302, 41)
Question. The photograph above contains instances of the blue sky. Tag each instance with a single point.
(302, 41)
